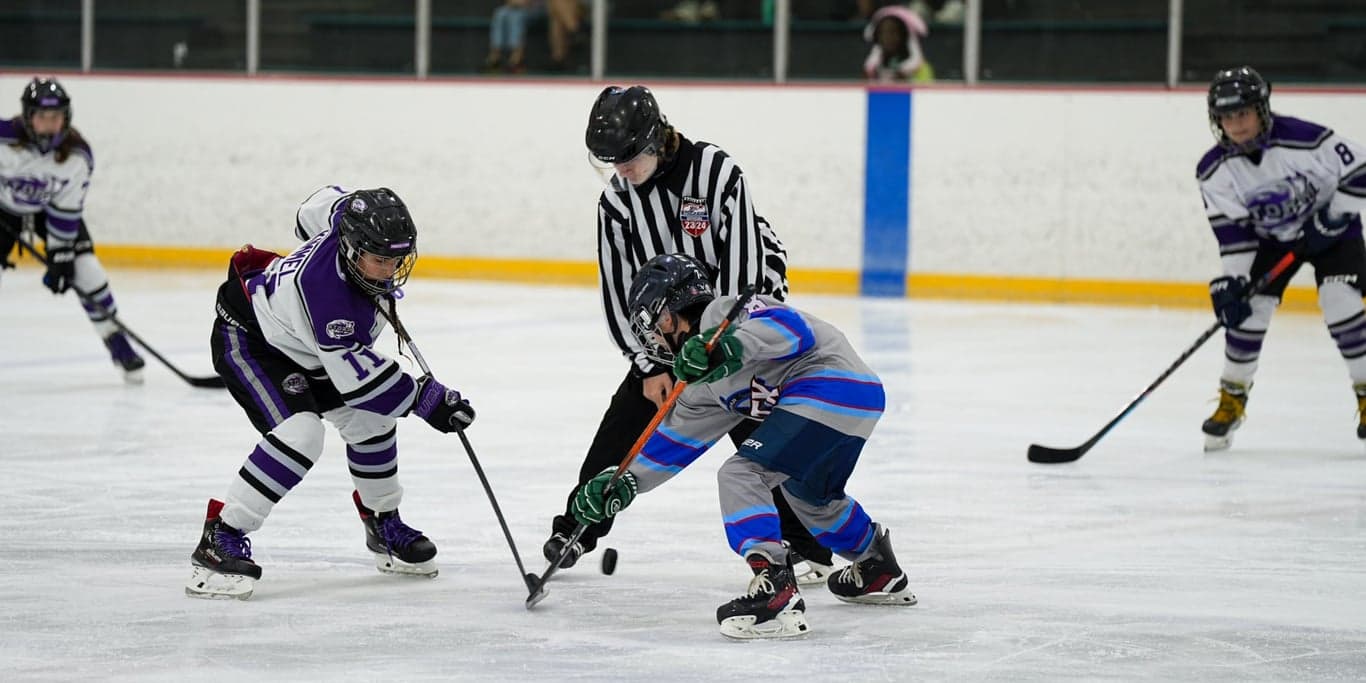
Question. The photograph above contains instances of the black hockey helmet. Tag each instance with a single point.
(623, 123)
(377, 222)
(43, 94)
(1234, 89)
(678, 283)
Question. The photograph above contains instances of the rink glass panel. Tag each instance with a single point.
(41, 34)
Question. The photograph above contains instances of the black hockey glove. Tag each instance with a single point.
(61, 267)
(1321, 232)
(1230, 305)
(442, 408)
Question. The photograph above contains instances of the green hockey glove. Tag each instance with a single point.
(694, 364)
(594, 503)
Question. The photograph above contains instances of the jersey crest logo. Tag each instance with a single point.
(295, 384)
(755, 401)
(1283, 203)
(341, 329)
(692, 213)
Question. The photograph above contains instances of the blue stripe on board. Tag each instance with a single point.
(886, 194)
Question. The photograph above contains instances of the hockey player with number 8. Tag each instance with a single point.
(45, 171)
(1274, 184)
(815, 403)
(294, 341)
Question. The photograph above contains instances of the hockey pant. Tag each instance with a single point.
(1339, 273)
(90, 275)
(287, 406)
(827, 457)
(626, 417)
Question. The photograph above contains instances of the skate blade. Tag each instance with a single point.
(208, 584)
(392, 565)
(132, 376)
(902, 598)
(1218, 443)
(808, 573)
(787, 624)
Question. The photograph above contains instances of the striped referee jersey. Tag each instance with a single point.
(698, 205)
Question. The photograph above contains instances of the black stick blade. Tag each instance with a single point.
(1054, 456)
(538, 591)
(214, 382)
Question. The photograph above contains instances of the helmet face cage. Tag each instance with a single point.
(43, 94)
(623, 124)
(377, 222)
(1233, 90)
(674, 282)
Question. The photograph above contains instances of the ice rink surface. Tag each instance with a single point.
(1145, 560)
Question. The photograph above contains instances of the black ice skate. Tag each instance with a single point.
(773, 607)
(398, 548)
(1228, 416)
(555, 544)
(125, 357)
(222, 563)
(877, 580)
(1361, 411)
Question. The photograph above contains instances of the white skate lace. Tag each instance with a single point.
(851, 574)
(760, 582)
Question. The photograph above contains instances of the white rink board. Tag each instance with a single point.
(1048, 183)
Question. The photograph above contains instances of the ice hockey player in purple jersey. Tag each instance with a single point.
(817, 403)
(1275, 184)
(45, 169)
(294, 341)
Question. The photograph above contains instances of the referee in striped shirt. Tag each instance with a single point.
(669, 195)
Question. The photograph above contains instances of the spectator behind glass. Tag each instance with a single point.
(566, 24)
(507, 32)
(894, 32)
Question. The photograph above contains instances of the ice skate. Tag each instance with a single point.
(773, 607)
(556, 543)
(223, 568)
(1229, 416)
(1361, 411)
(877, 580)
(398, 548)
(806, 571)
(125, 357)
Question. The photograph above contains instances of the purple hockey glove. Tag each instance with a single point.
(441, 407)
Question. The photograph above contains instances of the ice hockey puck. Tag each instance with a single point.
(609, 561)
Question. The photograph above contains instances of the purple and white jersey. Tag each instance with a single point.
(31, 182)
(1303, 168)
(310, 312)
(792, 361)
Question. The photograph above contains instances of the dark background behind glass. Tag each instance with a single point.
(1072, 41)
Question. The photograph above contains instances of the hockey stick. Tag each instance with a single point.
(537, 584)
(402, 333)
(214, 382)
(1053, 456)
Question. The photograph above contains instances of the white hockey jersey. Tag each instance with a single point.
(31, 182)
(1271, 194)
(306, 308)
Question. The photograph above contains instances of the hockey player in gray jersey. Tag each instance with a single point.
(816, 401)
(294, 341)
(1274, 184)
(45, 170)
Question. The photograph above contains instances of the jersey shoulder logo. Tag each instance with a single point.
(341, 329)
(692, 213)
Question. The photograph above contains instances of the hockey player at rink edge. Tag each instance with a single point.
(817, 403)
(45, 171)
(294, 341)
(1274, 184)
